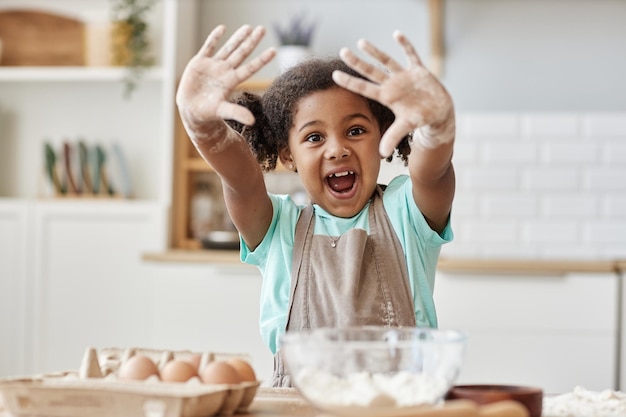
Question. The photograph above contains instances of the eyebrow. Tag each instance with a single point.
(348, 117)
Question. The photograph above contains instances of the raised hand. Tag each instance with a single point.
(417, 99)
(210, 77)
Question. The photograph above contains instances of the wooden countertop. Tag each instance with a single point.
(286, 402)
(280, 402)
(507, 266)
(276, 402)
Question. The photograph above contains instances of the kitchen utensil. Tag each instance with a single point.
(101, 161)
(83, 161)
(68, 162)
(221, 239)
(122, 171)
(51, 169)
(530, 397)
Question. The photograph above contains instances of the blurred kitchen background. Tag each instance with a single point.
(535, 272)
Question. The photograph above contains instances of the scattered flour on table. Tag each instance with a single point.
(364, 389)
(584, 403)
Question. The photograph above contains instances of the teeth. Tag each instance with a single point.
(341, 174)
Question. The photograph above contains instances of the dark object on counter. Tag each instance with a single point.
(530, 397)
(221, 239)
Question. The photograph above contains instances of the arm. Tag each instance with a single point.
(421, 105)
(202, 99)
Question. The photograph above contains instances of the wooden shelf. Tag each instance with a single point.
(196, 164)
(188, 166)
(255, 85)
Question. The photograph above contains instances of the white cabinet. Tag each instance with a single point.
(13, 271)
(551, 331)
(209, 307)
(91, 287)
(71, 269)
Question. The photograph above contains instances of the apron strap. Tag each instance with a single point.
(302, 227)
(280, 377)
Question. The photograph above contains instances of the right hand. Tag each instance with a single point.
(209, 79)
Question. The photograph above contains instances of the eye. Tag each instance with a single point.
(314, 138)
(356, 131)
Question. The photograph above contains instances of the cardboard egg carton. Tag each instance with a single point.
(94, 390)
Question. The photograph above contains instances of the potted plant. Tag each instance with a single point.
(295, 41)
(130, 40)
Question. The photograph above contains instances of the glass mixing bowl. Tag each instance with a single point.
(372, 370)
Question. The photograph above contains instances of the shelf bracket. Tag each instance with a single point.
(436, 11)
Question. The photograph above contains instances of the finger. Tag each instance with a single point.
(356, 85)
(364, 68)
(247, 46)
(233, 42)
(255, 64)
(211, 41)
(409, 50)
(231, 111)
(379, 55)
(394, 134)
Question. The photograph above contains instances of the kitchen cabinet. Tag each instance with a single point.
(547, 329)
(13, 265)
(71, 272)
(90, 286)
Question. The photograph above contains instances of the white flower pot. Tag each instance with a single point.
(290, 55)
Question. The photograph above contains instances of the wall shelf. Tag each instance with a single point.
(73, 74)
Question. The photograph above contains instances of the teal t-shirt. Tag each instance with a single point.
(273, 256)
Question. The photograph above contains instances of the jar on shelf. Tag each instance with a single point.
(202, 210)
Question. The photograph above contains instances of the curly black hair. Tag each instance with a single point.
(275, 108)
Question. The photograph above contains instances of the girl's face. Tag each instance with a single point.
(333, 143)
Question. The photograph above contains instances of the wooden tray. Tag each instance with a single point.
(36, 38)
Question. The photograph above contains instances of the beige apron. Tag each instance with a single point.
(353, 279)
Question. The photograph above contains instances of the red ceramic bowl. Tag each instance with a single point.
(530, 397)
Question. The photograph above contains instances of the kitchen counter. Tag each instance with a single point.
(509, 266)
(528, 266)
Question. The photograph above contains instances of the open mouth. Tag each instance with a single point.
(341, 182)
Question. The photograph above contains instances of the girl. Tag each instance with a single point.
(358, 255)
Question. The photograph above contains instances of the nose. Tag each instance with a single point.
(337, 148)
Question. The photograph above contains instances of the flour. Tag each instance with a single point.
(371, 390)
(584, 403)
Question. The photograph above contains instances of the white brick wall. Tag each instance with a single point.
(546, 185)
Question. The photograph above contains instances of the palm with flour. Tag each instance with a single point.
(417, 99)
(211, 76)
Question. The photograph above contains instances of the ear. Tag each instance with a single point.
(286, 159)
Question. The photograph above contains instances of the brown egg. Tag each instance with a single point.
(243, 368)
(194, 359)
(219, 372)
(138, 368)
(178, 371)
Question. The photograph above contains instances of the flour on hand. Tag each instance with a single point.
(584, 403)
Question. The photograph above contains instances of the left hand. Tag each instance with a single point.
(413, 94)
